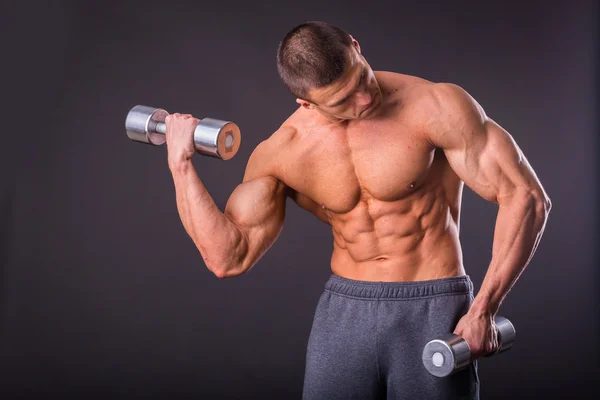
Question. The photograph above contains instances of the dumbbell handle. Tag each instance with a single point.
(161, 127)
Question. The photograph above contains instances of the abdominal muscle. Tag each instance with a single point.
(408, 240)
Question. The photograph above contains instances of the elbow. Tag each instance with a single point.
(533, 200)
(232, 263)
(226, 270)
(224, 273)
(547, 205)
(533, 204)
(541, 205)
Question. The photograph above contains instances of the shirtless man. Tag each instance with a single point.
(382, 158)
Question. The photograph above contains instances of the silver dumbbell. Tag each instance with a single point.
(451, 353)
(212, 137)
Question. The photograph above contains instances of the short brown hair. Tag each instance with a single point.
(312, 55)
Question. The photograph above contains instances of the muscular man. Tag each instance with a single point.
(382, 158)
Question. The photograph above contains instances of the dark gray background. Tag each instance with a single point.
(105, 296)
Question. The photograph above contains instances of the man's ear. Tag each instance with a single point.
(305, 104)
(355, 44)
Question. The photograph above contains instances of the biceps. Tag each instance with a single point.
(257, 207)
(491, 163)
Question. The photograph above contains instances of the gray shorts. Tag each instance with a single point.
(367, 340)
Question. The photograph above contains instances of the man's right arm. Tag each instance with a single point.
(233, 241)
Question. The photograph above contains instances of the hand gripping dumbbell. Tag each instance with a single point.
(212, 137)
(451, 353)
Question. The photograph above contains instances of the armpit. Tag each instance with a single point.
(309, 205)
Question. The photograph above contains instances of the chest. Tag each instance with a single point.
(339, 169)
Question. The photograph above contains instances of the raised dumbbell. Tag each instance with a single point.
(212, 137)
(450, 353)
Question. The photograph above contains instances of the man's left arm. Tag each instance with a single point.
(489, 161)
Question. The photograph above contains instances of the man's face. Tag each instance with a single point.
(354, 96)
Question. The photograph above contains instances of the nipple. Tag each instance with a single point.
(411, 185)
(323, 206)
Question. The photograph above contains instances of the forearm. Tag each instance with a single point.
(219, 240)
(519, 227)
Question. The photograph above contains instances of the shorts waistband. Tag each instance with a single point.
(399, 290)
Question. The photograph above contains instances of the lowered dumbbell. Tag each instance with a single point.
(451, 353)
(212, 137)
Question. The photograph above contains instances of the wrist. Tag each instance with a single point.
(180, 165)
(483, 307)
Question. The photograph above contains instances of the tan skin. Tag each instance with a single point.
(387, 180)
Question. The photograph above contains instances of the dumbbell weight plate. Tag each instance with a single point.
(506, 335)
(141, 125)
(217, 138)
(446, 354)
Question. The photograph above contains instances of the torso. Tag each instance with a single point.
(391, 198)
